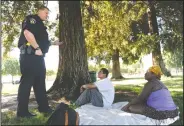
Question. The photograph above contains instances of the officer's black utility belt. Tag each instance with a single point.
(27, 50)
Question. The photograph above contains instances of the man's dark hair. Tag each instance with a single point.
(42, 7)
(105, 71)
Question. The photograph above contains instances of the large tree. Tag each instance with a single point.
(153, 29)
(73, 67)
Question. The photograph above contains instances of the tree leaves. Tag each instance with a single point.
(11, 66)
(111, 30)
(171, 26)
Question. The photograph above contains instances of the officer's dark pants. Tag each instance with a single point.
(33, 74)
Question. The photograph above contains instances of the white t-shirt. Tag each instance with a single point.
(106, 88)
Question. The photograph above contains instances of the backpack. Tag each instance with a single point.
(63, 115)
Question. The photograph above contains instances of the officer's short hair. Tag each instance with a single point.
(42, 7)
(105, 71)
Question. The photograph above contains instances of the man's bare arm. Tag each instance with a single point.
(30, 38)
(89, 86)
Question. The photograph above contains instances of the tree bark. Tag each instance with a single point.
(153, 29)
(73, 67)
(116, 72)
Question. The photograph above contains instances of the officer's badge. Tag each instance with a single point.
(32, 21)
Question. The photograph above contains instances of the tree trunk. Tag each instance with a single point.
(116, 73)
(153, 29)
(73, 67)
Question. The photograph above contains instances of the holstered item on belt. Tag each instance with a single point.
(27, 49)
(23, 49)
(30, 50)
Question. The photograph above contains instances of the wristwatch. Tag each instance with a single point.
(37, 48)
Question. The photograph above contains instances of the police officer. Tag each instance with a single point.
(33, 44)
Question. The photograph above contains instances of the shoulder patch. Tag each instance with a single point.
(32, 21)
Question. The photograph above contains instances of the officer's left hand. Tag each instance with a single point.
(58, 43)
(38, 52)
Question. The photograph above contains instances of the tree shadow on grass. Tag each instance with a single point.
(124, 95)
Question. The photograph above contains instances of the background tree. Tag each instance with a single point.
(107, 30)
(49, 73)
(171, 31)
(11, 67)
(153, 29)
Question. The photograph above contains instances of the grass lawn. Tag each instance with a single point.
(123, 93)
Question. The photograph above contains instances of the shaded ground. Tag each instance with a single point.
(9, 102)
(9, 95)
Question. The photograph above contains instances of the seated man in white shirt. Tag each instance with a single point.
(100, 93)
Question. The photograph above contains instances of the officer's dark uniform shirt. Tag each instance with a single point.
(34, 24)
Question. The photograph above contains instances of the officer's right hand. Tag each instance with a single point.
(38, 52)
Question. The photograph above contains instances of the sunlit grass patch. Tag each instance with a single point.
(9, 118)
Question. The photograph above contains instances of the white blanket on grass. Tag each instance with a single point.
(91, 115)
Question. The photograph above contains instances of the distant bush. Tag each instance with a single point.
(11, 67)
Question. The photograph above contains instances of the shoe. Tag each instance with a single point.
(49, 111)
(28, 115)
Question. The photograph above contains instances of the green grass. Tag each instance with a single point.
(9, 118)
(123, 93)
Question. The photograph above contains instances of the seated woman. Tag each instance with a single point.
(155, 100)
